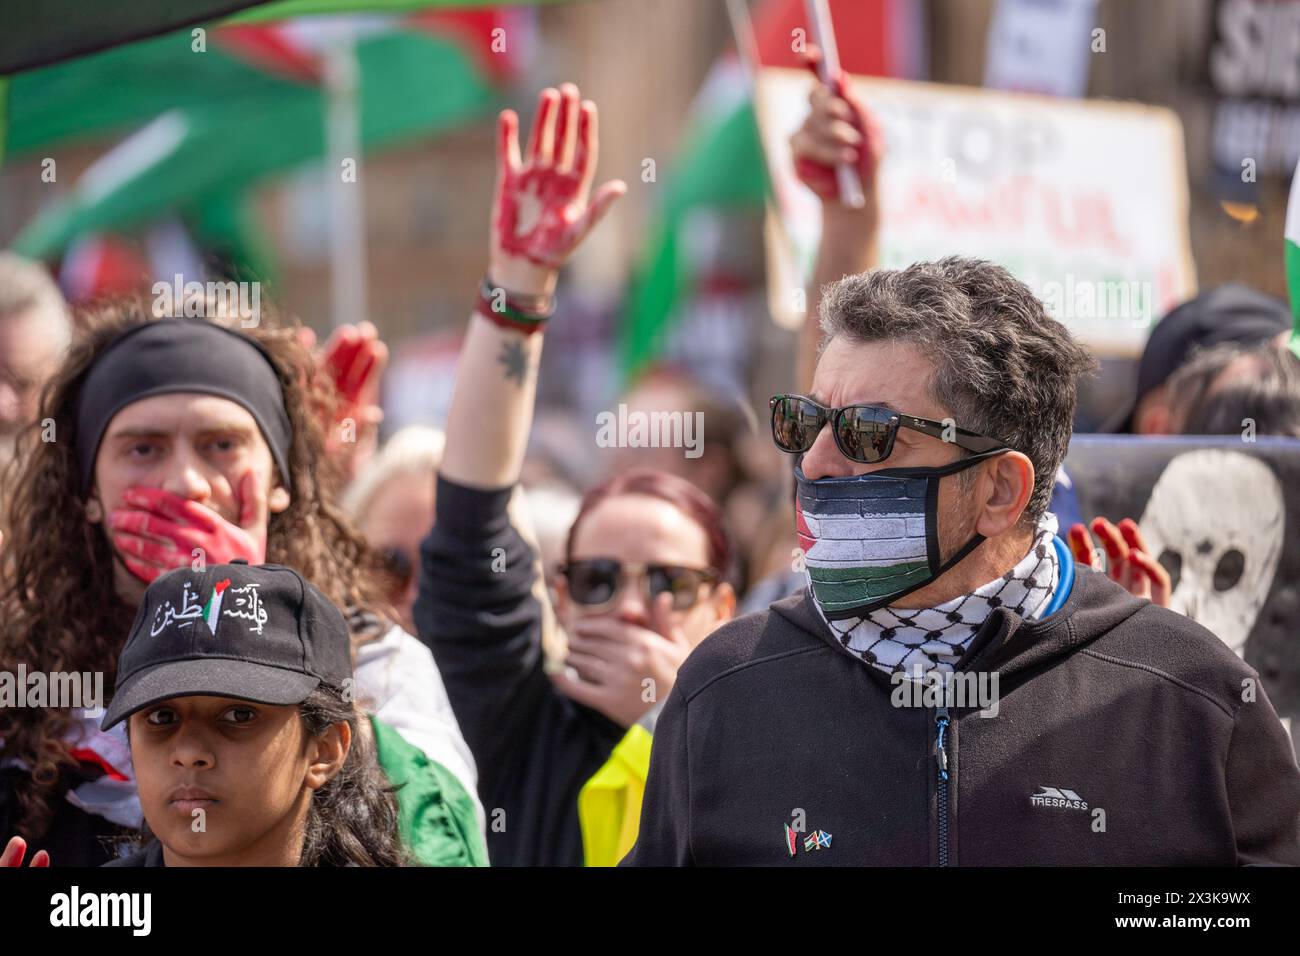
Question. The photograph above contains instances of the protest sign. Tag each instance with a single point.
(1085, 201)
(1220, 514)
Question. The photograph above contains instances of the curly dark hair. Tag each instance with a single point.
(60, 610)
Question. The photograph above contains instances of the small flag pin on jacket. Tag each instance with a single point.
(817, 840)
(791, 840)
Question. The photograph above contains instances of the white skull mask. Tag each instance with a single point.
(1215, 520)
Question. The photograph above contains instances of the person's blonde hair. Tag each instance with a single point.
(25, 287)
(415, 450)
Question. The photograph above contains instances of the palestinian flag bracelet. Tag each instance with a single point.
(510, 312)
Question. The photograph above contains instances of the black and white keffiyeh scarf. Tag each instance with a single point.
(915, 642)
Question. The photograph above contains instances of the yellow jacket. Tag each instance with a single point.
(609, 804)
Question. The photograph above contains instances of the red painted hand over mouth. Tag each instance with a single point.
(159, 531)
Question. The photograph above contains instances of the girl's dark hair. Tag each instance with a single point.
(353, 818)
(679, 493)
(59, 609)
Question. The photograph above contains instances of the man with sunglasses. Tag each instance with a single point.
(1118, 732)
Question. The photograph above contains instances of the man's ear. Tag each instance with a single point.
(331, 752)
(1153, 415)
(1009, 478)
(278, 500)
(724, 601)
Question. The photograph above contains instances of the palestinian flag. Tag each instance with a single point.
(851, 562)
(721, 164)
(36, 33)
(212, 610)
(1292, 254)
(250, 106)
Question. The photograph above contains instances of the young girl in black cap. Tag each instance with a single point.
(169, 442)
(236, 683)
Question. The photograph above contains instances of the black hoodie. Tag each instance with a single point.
(1125, 734)
(480, 615)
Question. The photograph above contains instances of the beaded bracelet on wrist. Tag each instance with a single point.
(521, 306)
(503, 311)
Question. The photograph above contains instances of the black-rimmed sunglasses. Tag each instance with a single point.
(595, 582)
(862, 433)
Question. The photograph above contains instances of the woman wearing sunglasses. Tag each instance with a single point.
(561, 758)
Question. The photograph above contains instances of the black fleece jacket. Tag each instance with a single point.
(534, 747)
(1125, 734)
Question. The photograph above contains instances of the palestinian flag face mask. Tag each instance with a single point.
(870, 539)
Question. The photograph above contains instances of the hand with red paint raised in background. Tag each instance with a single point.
(1128, 559)
(353, 360)
(540, 210)
(160, 530)
(16, 850)
(839, 129)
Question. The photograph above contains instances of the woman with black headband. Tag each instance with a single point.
(168, 443)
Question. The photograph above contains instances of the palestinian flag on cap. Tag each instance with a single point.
(212, 610)
(1293, 257)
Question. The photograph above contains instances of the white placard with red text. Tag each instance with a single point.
(1083, 200)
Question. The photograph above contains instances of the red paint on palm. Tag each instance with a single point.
(338, 363)
(540, 213)
(545, 229)
(542, 210)
(821, 177)
(818, 177)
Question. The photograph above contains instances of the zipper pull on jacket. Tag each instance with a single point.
(940, 740)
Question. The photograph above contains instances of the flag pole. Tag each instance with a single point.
(819, 18)
(346, 201)
(1291, 253)
(742, 29)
